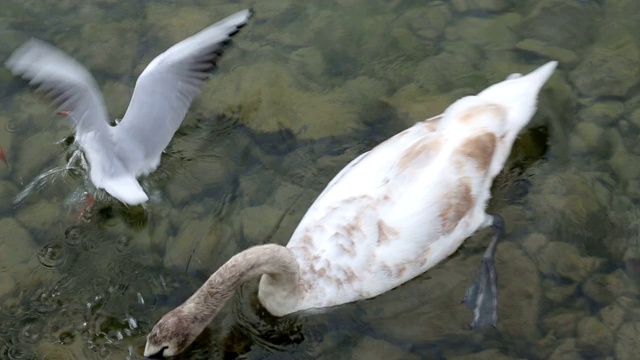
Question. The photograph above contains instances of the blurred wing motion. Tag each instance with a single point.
(63, 79)
(165, 89)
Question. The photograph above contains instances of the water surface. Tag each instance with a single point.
(303, 90)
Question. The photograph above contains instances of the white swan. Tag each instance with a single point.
(118, 155)
(388, 216)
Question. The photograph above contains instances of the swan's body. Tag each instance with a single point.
(388, 216)
(118, 155)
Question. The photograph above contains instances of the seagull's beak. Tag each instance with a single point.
(3, 157)
(63, 113)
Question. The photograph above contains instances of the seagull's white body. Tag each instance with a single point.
(401, 208)
(118, 155)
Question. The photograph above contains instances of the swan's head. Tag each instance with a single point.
(171, 335)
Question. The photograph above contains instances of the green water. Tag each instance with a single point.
(304, 89)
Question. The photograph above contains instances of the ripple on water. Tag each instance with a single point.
(52, 255)
(55, 352)
(123, 242)
(73, 236)
(12, 126)
(10, 351)
(10, 309)
(31, 330)
(63, 327)
(96, 351)
(266, 335)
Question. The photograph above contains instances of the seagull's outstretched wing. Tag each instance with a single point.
(165, 89)
(67, 82)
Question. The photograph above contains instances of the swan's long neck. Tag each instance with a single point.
(275, 262)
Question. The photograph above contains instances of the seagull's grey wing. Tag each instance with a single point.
(165, 89)
(64, 80)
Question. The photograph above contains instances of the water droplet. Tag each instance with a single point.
(132, 322)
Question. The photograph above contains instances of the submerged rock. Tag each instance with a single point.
(494, 33)
(446, 72)
(558, 293)
(567, 350)
(594, 336)
(605, 288)
(562, 325)
(259, 222)
(563, 24)
(417, 104)
(371, 348)
(564, 259)
(39, 216)
(542, 49)
(612, 316)
(7, 130)
(197, 243)
(108, 47)
(620, 161)
(480, 5)
(16, 247)
(35, 153)
(589, 132)
(628, 341)
(520, 293)
(612, 66)
(491, 354)
(7, 193)
(270, 98)
(427, 22)
(603, 113)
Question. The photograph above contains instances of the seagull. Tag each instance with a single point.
(118, 155)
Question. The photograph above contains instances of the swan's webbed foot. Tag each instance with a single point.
(482, 296)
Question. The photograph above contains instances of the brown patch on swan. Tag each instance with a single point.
(417, 150)
(473, 112)
(307, 240)
(386, 232)
(322, 272)
(401, 270)
(350, 275)
(386, 269)
(352, 229)
(348, 250)
(458, 201)
(480, 149)
(431, 124)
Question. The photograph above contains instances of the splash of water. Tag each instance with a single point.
(77, 164)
